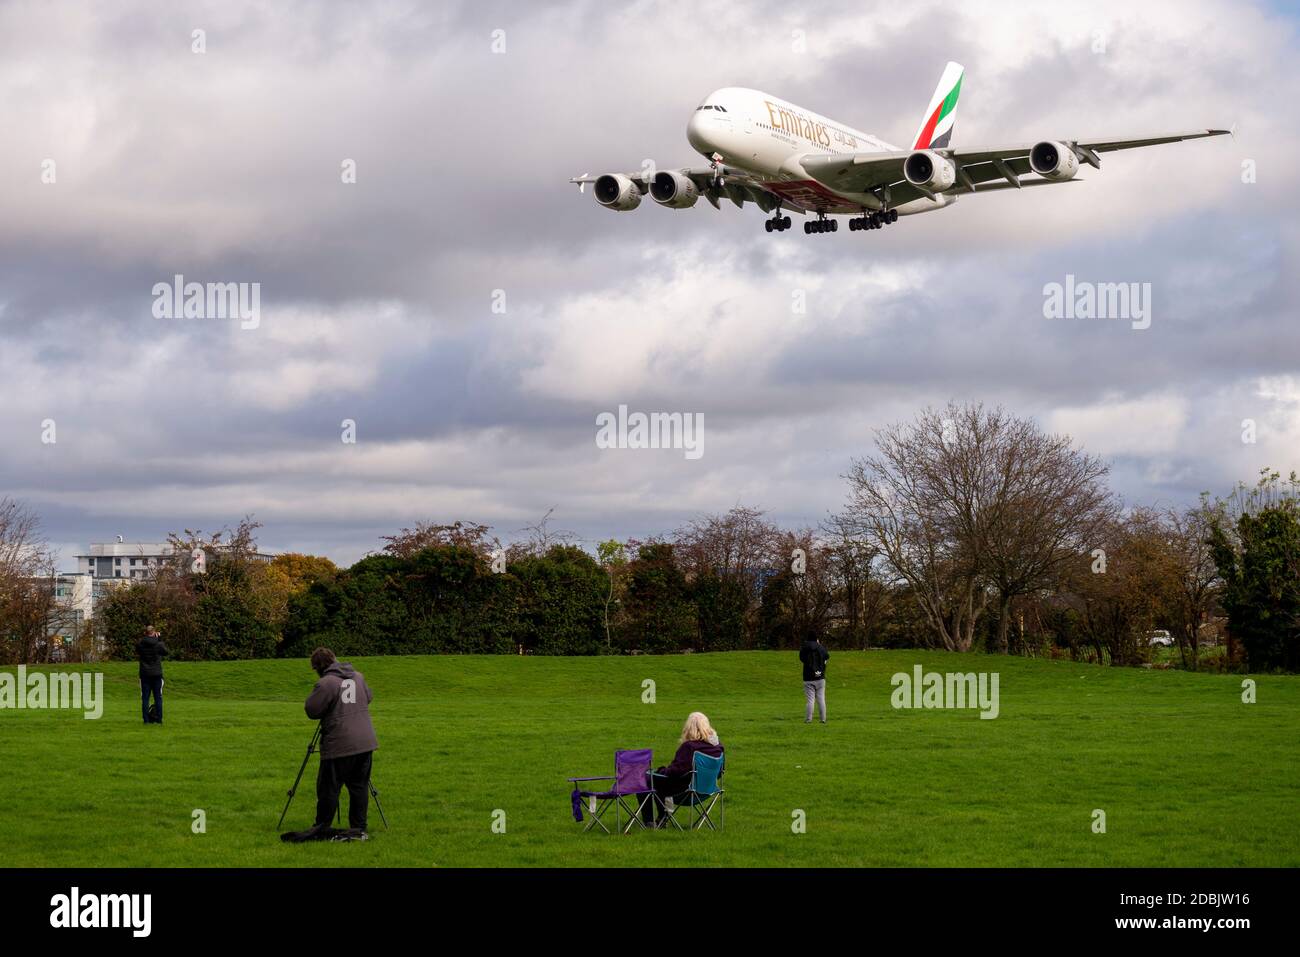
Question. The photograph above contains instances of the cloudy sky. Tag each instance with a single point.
(377, 296)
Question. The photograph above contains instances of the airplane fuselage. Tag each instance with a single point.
(765, 136)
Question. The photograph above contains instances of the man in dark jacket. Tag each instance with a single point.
(341, 702)
(151, 651)
(813, 654)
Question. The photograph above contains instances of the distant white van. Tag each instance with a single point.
(1160, 636)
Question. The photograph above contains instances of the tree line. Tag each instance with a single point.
(966, 529)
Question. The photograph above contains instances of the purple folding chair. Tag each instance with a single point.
(629, 794)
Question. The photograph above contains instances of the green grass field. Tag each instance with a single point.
(1187, 774)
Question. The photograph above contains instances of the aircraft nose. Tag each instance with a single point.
(695, 132)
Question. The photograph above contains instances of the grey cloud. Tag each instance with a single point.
(226, 167)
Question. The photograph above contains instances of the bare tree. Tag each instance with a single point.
(968, 504)
(430, 535)
(809, 592)
(27, 593)
(738, 544)
(541, 538)
(918, 502)
(237, 544)
(1046, 504)
(850, 558)
(1196, 586)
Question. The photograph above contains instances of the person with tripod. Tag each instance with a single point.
(341, 702)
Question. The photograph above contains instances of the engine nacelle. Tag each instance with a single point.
(1054, 161)
(616, 191)
(674, 190)
(928, 170)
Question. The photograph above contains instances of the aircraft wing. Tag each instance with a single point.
(865, 172)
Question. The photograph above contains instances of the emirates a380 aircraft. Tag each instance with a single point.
(782, 157)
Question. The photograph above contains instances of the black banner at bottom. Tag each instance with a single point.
(214, 906)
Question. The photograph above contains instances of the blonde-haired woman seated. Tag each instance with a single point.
(697, 735)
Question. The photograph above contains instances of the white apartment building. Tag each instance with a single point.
(129, 560)
(105, 566)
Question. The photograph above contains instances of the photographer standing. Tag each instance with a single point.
(340, 701)
(151, 650)
(813, 654)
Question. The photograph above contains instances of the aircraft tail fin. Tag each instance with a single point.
(935, 131)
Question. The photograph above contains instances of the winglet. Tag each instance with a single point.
(935, 131)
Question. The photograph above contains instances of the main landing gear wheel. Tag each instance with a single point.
(821, 225)
(874, 220)
(777, 224)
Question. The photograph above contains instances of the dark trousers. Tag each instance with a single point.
(148, 686)
(664, 788)
(352, 772)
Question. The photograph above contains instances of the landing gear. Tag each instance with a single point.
(821, 225)
(777, 223)
(874, 220)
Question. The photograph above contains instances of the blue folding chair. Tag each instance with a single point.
(703, 793)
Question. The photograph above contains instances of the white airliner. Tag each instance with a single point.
(782, 157)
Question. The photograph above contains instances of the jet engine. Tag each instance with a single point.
(674, 190)
(930, 171)
(1054, 161)
(616, 191)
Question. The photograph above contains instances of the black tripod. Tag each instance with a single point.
(374, 792)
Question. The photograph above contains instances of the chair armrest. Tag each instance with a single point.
(602, 777)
